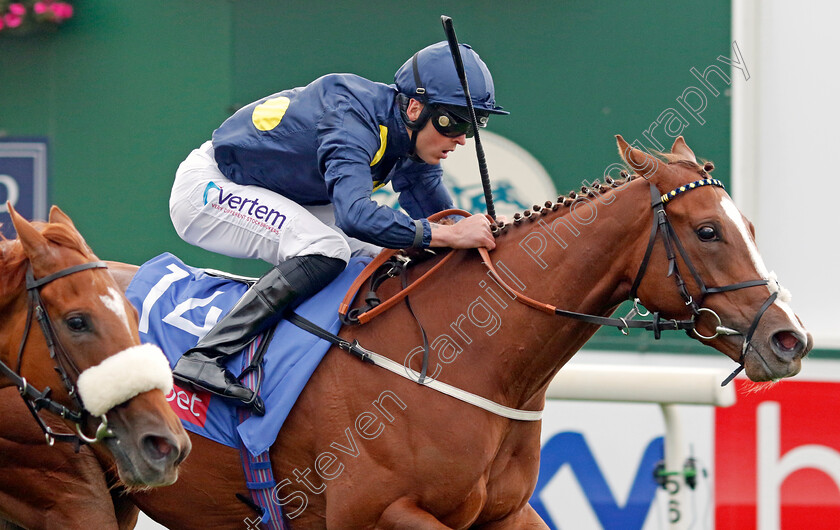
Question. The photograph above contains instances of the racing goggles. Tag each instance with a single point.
(452, 123)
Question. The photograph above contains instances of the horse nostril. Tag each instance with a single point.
(787, 342)
(158, 447)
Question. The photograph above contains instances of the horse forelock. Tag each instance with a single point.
(12, 263)
(64, 236)
(675, 160)
(13, 259)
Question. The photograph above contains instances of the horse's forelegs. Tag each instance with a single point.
(405, 514)
(525, 518)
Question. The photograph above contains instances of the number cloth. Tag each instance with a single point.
(178, 304)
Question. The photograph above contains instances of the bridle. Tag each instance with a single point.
(661, 223)
(673, 245)
(36, 400)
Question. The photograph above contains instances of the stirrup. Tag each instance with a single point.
(256, 404)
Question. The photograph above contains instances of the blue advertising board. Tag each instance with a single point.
(571, 449)
(23, 179)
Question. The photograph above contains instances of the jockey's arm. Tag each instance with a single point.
(422, 193)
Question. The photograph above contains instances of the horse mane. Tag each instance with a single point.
(598, 188)
(573, 196)
(13, 259)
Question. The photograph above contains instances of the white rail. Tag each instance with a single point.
(642, 384)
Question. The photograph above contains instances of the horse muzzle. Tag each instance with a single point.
(778, 356)
(149, 454)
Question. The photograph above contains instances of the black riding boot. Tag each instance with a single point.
(261, 306)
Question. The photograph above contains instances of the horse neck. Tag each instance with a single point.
(581, 258)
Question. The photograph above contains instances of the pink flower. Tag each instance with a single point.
(62, 10)
(12, 20)
(40, 8)
(17, 9)
(1, 24)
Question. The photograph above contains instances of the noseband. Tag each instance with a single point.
(36, 400)
(661, 224)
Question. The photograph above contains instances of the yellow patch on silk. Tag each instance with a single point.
(267, 115)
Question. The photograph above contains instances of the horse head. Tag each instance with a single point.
(709, 268)
(85, 347)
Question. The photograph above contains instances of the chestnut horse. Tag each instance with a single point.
(67, 327)
(365, 448)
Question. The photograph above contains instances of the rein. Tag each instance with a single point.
(36, 400)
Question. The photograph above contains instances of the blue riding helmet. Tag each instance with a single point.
(430, 77)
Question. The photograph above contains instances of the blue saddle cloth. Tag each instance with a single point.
(178, 304)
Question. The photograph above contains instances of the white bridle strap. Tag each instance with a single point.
(122, 376)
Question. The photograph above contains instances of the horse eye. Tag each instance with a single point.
(77, 323)
(707, 233)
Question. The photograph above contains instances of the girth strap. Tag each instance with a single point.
(392, 366)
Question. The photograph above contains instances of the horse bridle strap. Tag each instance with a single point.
(35, 399)
(37, 306)
(32, 283)
(670, 240)
(748, 337)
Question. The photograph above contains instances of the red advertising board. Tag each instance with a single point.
(777, 457)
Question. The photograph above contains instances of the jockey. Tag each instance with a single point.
(288, 179)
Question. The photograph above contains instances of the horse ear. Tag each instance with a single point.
(57, 216)
(642, 163)
(681, 148)
(34, 244)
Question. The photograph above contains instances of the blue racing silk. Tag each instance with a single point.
(333, 141)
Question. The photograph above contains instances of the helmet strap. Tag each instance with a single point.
(414, 125)
(412, 153)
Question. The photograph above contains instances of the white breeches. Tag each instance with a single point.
(218, 215)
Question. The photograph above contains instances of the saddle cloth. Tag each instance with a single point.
(178, 304)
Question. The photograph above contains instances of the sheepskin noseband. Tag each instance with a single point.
(122, 376)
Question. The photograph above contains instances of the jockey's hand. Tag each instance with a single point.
(470, 232)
